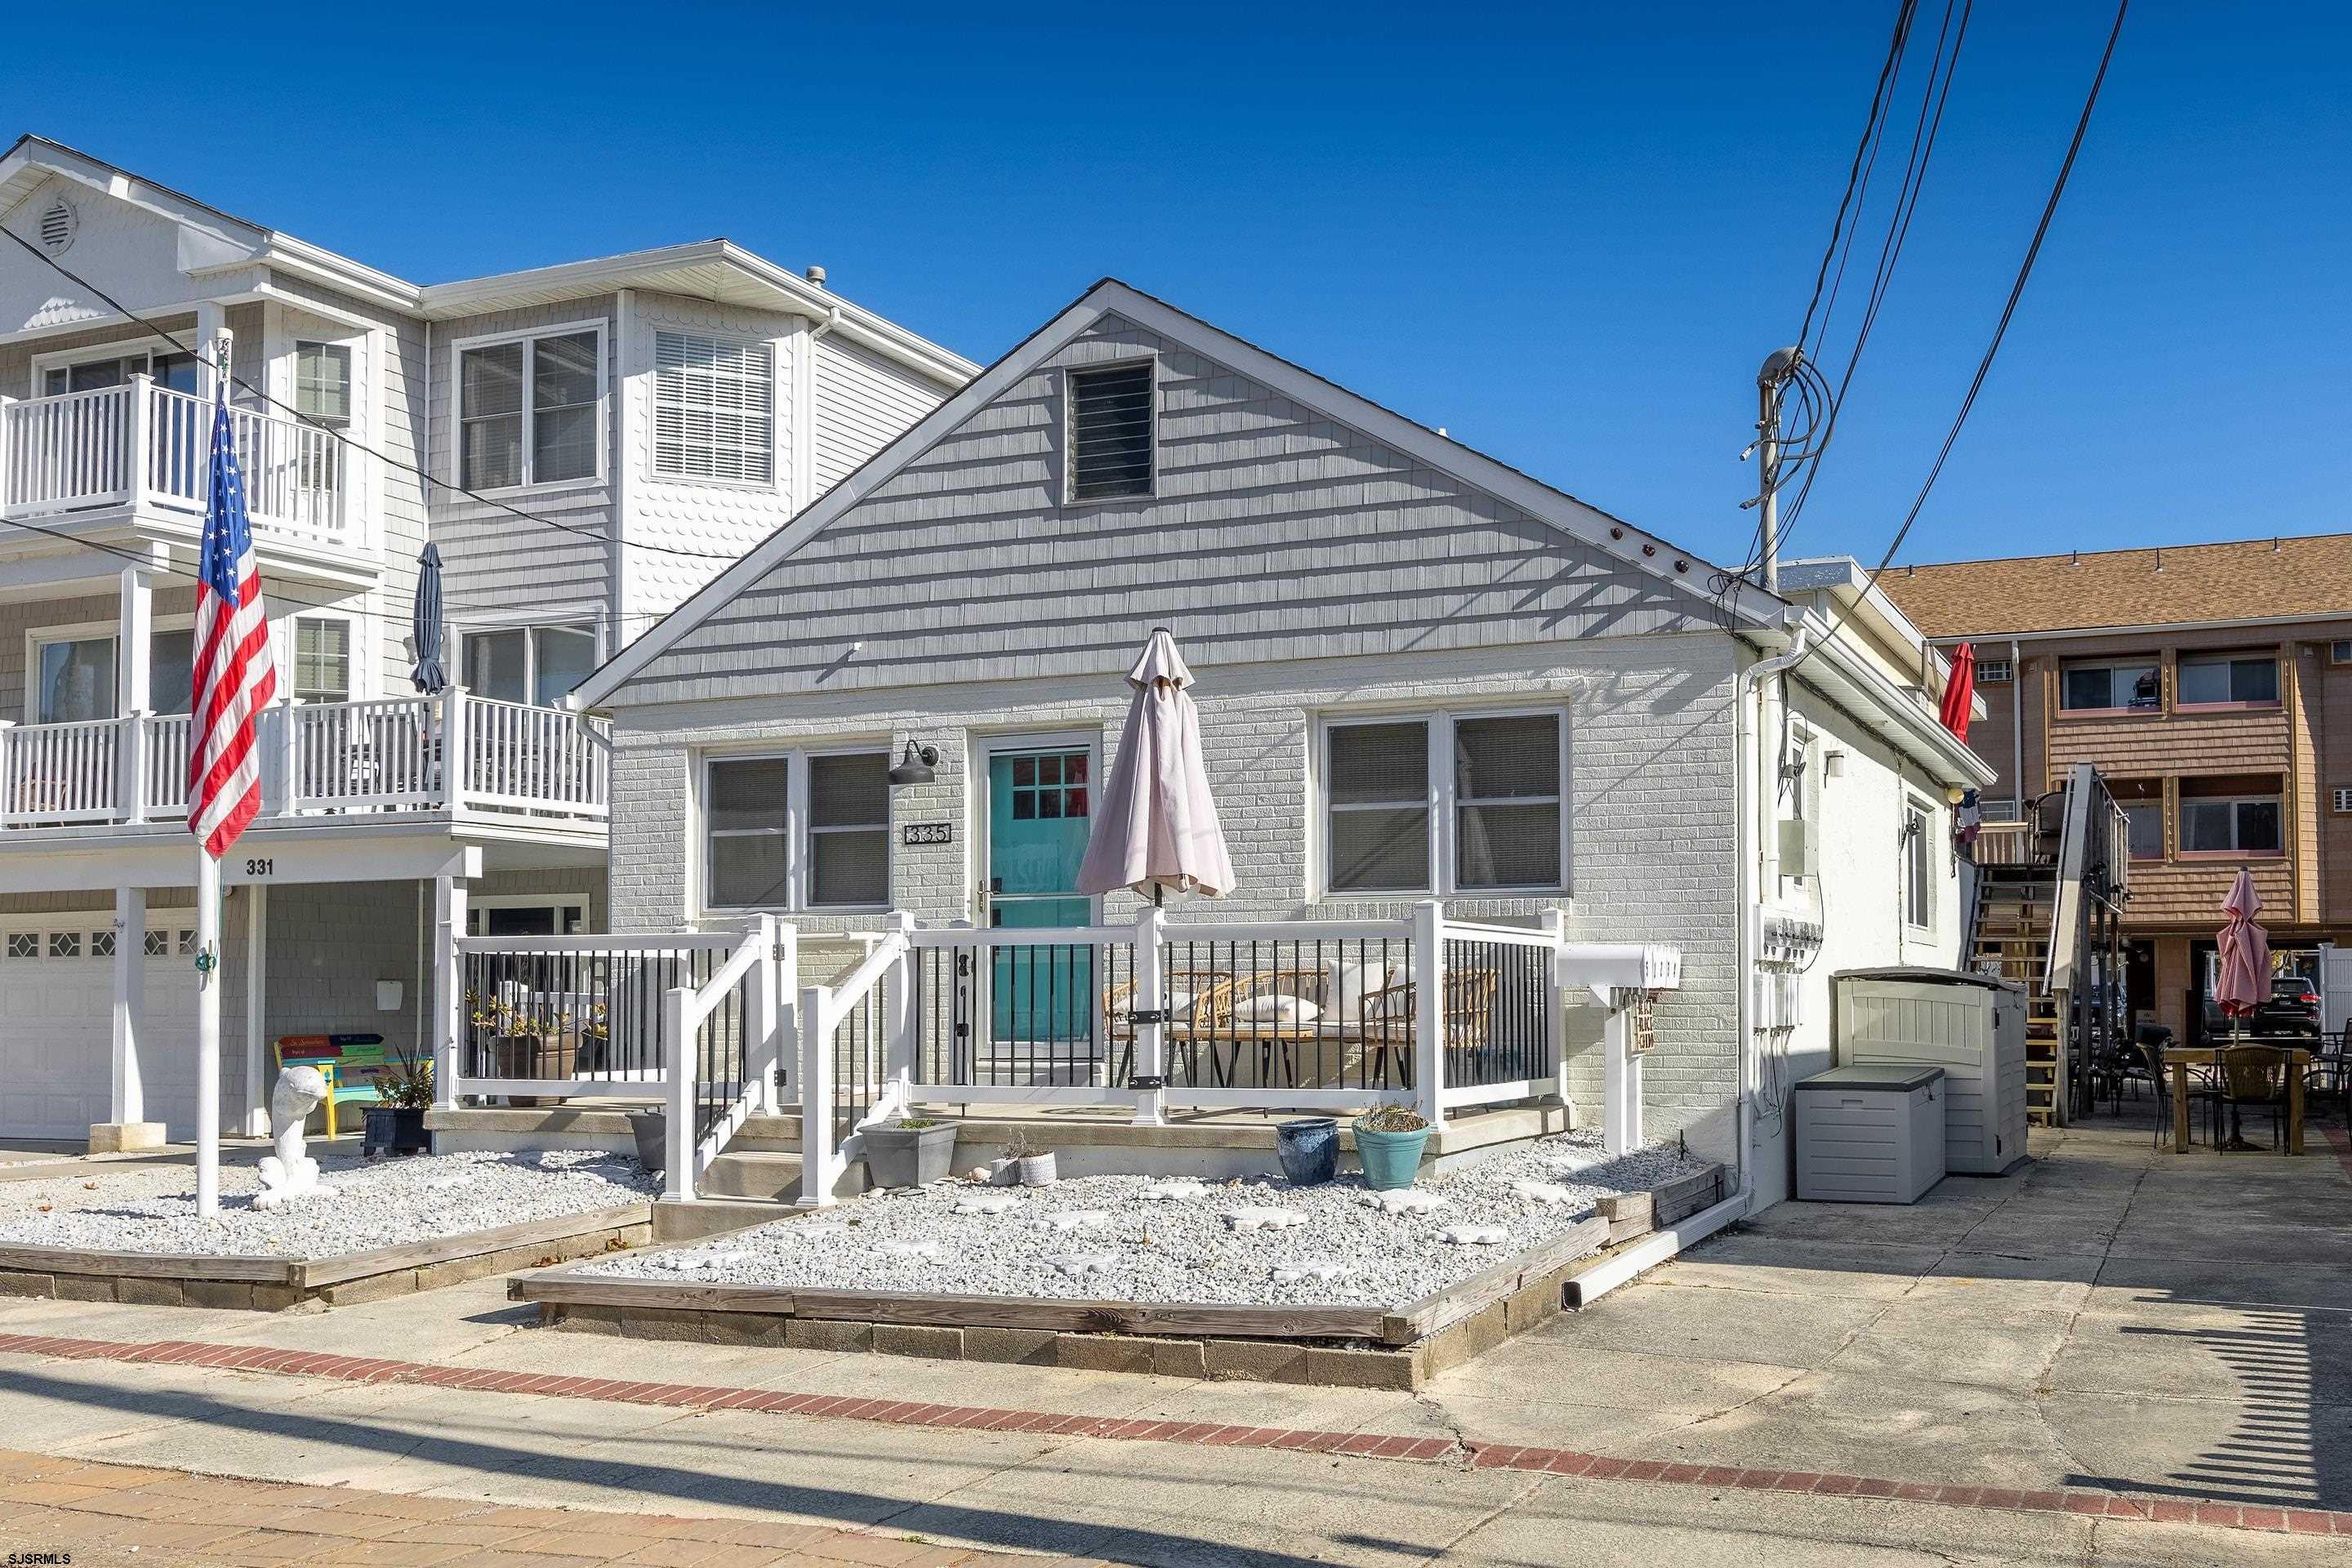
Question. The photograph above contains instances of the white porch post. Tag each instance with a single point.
(1429, 1010)
(455, 770)
(816, 1099)
(7, 770)
(783, 1024)
(138, 443)
(129, 1102)
(289, 737)
(1150, 1035)
(133, 691)
(256, 992)
(898, 1017)
(1621, 1129)
(761, 1051)
(678, 1062)
(448, 987)
(1555, 929)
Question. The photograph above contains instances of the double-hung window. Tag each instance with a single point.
(2109, 688)
(527, 409)
(2233, 679)
(1492, 818)
(714, 408)
(534, 664)
(807, 831)
(2226, 824)
(74, 677)
(323, 658)
(322, 383)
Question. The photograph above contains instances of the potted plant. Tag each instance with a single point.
(404, 1093)
(913, 1152)
(1004, 1171)
(1388, 1142)
(525, 1044)
(1034, 1164)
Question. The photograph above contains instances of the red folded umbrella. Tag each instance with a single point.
(1960, 691)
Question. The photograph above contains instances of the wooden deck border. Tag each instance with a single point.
(278, 1284)
(1364, 1347)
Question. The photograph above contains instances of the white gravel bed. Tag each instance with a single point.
(1148, 1238)
(385, 1203)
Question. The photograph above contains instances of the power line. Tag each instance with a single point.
(1864, 155)
(344, 437)
(2008, 311)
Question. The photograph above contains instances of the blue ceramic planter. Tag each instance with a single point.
(1308, 1149)
(1390, 1159)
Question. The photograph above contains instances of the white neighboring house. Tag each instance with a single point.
(1422, 675)
(659, 412)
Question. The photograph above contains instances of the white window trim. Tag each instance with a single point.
(283, 645)
(1923, 808)
(458, 348)
(354, 352)
(563, 903)
(2111, 667)
(1996, 672)
(1443, 807)
(777, 389)
(1069, 431)
(36, 638)
(798, 860)
(591, 628)
(2341, 798)
(89, 353)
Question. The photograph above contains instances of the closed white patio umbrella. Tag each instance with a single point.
(1156, 823)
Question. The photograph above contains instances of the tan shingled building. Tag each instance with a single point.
(2211, 684)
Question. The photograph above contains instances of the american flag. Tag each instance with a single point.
(234, 677)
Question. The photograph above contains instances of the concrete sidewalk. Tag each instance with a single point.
(2168, 1336)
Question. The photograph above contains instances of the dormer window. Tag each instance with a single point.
(1111, 430)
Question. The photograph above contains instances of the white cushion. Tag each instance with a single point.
(1351, 983)
(1277, 1008)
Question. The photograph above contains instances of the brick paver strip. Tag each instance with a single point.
(1377, 1446)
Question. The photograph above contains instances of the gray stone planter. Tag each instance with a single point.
(900, 1156)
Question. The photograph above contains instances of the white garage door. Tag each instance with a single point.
(57, 1024)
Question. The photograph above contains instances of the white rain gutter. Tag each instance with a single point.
(1648, 1253)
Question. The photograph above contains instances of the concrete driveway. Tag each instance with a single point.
(2107, 1316)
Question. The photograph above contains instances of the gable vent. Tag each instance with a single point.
(57, 228)
(1110, 432)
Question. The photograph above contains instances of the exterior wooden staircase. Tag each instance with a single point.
(2012, 939)
(2050, 891)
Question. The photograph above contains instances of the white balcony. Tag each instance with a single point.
(451, 753)
(141, 448)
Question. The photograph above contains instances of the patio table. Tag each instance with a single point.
(2178, 1061)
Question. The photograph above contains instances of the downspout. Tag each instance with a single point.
(1657, 1248)
(2017, 726)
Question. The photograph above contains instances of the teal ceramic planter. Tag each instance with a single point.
(1390, 1159)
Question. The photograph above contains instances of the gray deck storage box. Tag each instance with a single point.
(1870, 1135)
(1971, 1026)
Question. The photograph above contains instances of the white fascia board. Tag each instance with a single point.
(790, 294)
(1748, 603)
(164, 856)
(2328, 618)
(1847, 677)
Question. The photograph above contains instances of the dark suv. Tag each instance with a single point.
(2292, 1008)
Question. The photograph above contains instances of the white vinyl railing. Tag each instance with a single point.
(382, 755)
(140, 445)
(1440, 1015)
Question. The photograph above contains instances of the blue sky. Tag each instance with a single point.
(1569, 234)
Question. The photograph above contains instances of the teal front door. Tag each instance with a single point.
(1039, 810)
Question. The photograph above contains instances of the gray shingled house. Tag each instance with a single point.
(1422, 675)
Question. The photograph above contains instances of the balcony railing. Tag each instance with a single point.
(146, 446)
(449, 752)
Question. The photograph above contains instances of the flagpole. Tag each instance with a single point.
(208, 1020)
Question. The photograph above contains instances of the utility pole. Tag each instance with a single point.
(1771, 382)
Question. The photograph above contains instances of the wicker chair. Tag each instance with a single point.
(2255, 1077)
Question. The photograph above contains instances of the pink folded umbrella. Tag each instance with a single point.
(2245, 952)
(1156, 823)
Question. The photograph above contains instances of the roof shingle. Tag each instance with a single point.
(2250, 579)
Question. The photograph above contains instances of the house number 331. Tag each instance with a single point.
(262, 868)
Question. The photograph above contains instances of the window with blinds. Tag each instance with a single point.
(527, 410)
(714, 408)
(1110, 432)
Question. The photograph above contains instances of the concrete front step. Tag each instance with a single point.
(680, 1222)
(768, 1175)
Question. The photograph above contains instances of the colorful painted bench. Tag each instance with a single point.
(350, 1063)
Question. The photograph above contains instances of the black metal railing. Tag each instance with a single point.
(589, 1013)
(1498, 998)
(1326, 1013)
(858, 1069)
(1014, 1016)
(720, 1050)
